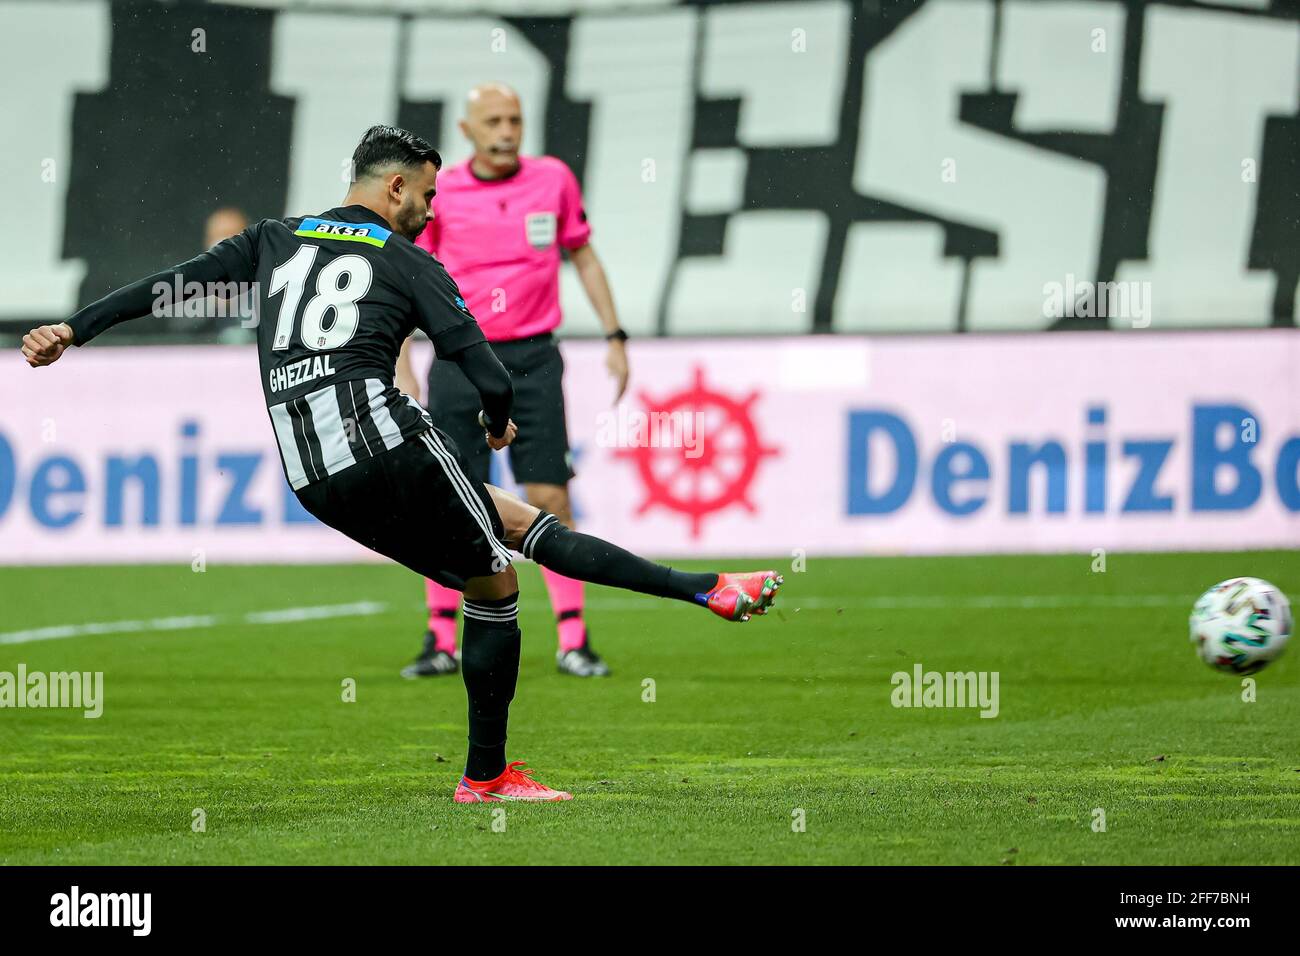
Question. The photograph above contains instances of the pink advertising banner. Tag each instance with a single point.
(821, 445)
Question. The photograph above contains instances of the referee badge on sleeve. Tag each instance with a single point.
(540, 229)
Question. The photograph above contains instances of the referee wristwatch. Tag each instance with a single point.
(618, 335)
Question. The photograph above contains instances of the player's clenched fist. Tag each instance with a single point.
(44, 345)
(496, 444)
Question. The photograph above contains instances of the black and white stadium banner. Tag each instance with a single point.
(830, 166)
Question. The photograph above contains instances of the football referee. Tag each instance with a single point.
(500, 220)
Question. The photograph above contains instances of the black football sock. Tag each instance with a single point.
(489, 662)
(581, 556)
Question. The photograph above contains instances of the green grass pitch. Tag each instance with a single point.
(1102, 705)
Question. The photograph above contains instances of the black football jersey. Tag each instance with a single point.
(337, 294)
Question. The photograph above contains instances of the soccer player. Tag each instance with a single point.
(338, 293)
(500, 220)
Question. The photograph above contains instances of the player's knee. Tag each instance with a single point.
(493, 587)
(553, 499)
(516, 515)
(543, 537)
(506, 582)
(515, 526)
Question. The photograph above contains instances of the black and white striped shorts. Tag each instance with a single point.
(416, 504)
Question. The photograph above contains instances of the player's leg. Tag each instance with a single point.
(489, 653)
(574, 654)
(417, 505)
(542, 464)
(538, 535)
(453, 405)
(489, 665)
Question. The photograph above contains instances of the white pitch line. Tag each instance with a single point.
(286, 615)
(290, 614)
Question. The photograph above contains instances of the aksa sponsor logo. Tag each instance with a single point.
(370, 233)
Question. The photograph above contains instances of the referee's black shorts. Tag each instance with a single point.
(417, 505)
(541, 452)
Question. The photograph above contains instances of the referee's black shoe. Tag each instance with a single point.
(431, 662)
(581, 662)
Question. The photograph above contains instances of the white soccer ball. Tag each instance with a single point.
(1241, 624)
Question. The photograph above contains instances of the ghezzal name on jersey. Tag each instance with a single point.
(287, 376)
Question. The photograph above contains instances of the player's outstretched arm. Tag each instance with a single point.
(146, 296)
(231, 259)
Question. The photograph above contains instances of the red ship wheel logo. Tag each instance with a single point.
(717, 471)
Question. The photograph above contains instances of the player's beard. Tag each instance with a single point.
(409, 221)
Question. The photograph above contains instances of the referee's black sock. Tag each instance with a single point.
(489, 662)
(581, 556)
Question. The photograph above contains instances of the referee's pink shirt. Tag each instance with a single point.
(500, 240)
